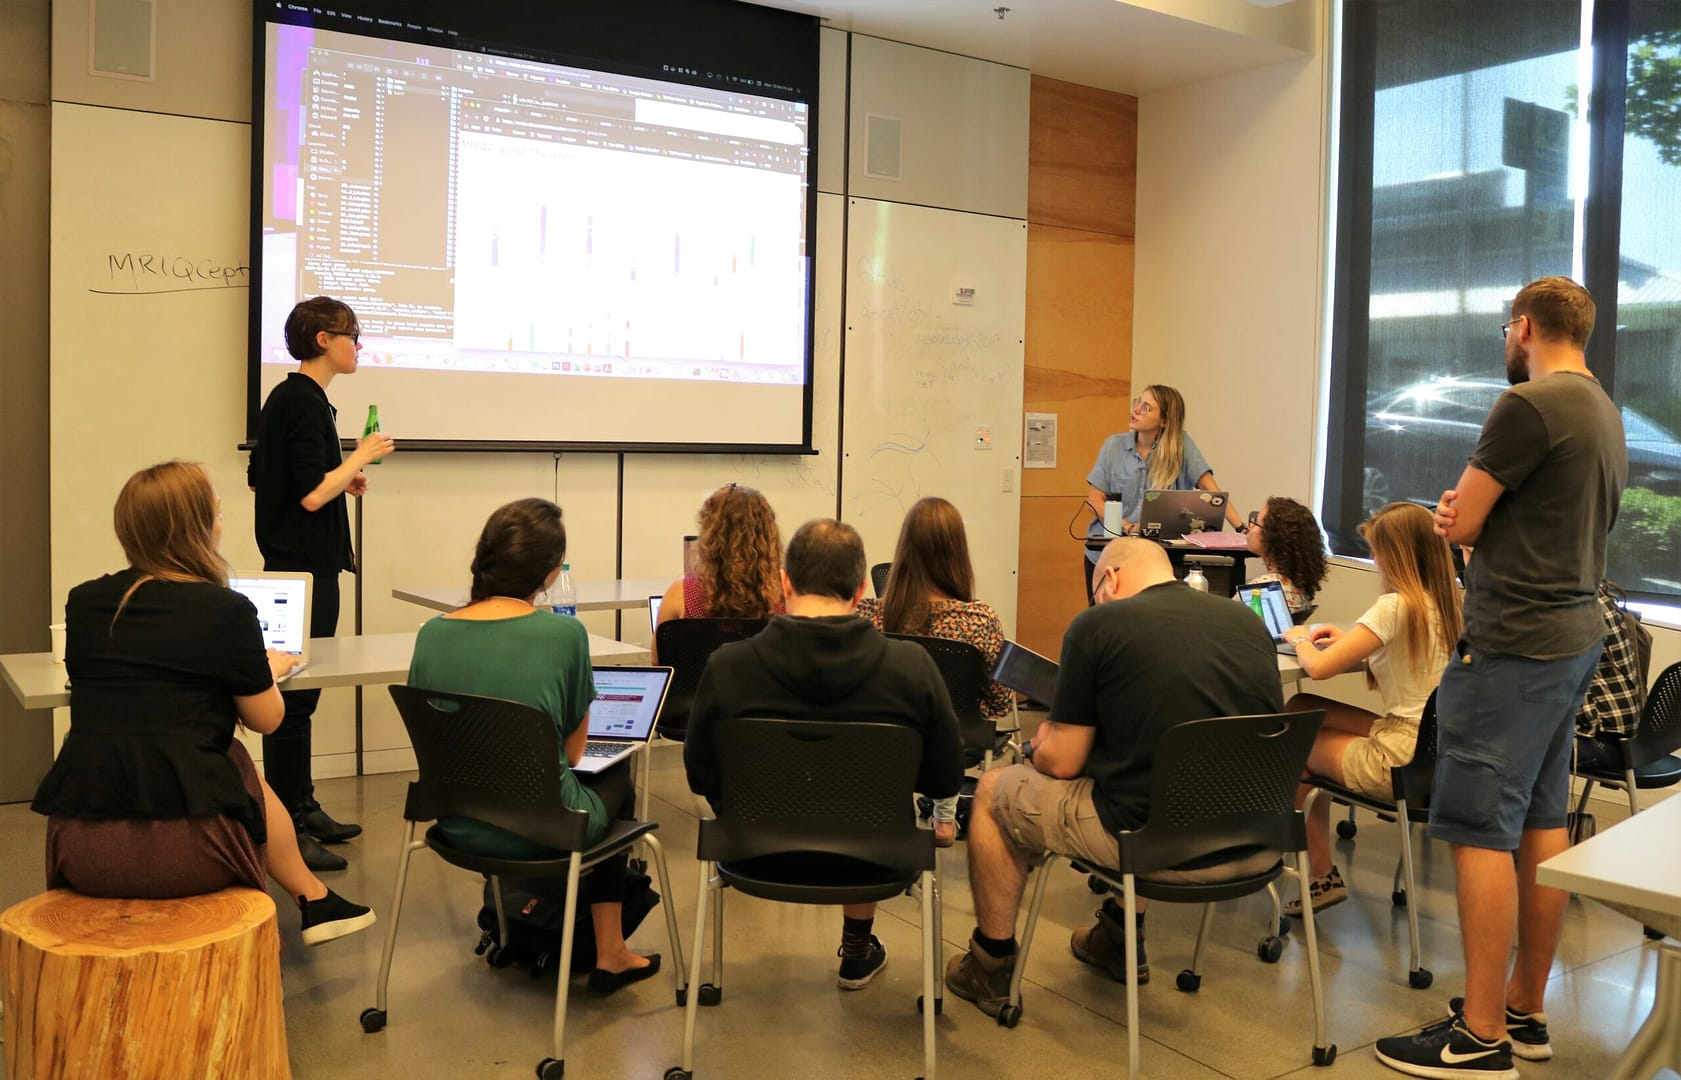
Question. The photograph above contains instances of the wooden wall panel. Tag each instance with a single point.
(1082, 158)
(1082, 166)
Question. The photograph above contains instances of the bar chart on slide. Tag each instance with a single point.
(599, 257)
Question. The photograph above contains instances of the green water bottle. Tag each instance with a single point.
(1255, 603)
(372, 426)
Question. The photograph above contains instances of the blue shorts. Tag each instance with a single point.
(1505, 725)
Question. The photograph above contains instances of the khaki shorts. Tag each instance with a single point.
(1366, 762)
(1039, 813)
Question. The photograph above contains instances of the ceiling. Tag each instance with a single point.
(1132, 48)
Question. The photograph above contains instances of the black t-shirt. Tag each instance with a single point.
(297, 445)
(151, 704)
(1133, 668)
(1556, 445)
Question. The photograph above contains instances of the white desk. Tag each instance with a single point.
(1632, 868)
(38, 680)
(1290, 669)
(592, 595)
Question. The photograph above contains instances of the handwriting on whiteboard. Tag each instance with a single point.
(134, 273)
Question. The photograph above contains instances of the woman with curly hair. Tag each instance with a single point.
(738, 565)
(1286, 536)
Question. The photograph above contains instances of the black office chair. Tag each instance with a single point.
(1648, 756)
(1408, 805)
(964, 670)
(1222, 805)
(814, 812)
(685, 645)
(499, 762)
(878, 577)
(1301, 617)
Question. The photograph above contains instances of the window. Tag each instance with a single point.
(1465, 171)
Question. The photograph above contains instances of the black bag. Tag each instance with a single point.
(535, 908)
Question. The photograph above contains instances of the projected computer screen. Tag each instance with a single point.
(570, 253)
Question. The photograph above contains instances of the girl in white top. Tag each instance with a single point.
(1405, 639)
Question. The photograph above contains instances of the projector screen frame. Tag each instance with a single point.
(718, 29)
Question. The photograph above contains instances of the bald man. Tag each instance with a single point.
(1150, 653)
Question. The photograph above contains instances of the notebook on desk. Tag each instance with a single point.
(283, 600)
(1218, 541)
(627, 703)
(1169, 515)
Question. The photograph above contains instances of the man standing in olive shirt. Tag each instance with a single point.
(1536, 501)
(303, 524)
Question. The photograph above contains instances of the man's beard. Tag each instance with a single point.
(1517, 365)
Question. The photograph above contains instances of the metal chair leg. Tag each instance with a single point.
(679, 970)
(1633, 790)
(1417, 976)
(1324, 1052)
(692, 1007)
(939, 936)
(1038, 901)
(930, 945)
(1202, 936)
(568, 932)
(1129, 896)
(501, 912)
(718, 936)
(410, 846)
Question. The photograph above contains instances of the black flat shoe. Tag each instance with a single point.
(318, 858)
(316, 822)
(602, 983)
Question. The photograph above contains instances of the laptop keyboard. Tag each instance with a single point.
(602, 749)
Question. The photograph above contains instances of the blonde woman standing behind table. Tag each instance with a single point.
(738, 564)
(1405, 639)
(1155, 453)
(931, 593)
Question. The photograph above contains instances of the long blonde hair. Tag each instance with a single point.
(1167, 456)
(165, 520)
(739, 561)
(1415, 564)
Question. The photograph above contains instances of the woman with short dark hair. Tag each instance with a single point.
(503, 645)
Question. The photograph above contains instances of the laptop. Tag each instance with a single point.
(1168, 515)
(283, 600)
(1275, 609)
(627, 702)
(1026, 672)
(654, 612)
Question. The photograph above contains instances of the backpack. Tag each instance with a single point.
(535, 908)
(1617, 694)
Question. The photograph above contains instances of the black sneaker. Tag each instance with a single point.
(1446, 1050)
(318, 823)
(856, 974)
(318, 858)
(1528, 1031)
(331, 917)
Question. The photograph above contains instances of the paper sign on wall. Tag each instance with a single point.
(1039, 441)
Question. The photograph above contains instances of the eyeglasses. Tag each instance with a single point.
(1508, 324)
(1139, 405)
(1255, 520)
(355, 336)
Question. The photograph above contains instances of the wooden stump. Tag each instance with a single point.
(137, 989)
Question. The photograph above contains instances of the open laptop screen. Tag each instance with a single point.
(654, 612)
(282, 603)
(1274, 608)
(627, 701)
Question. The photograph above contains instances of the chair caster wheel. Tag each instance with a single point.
(498, 957)
(1420, 979)
(550, 1069)
(1324, 1055)
(939, 1005)
(1096, 885)
(1270, 949)
(1653, 933)
(1189, 981)
(677, 1072)
(1346, 829)
(710, 995)
(373, 1020)
(682, 997)
(1009, 1016)
(1398, 898)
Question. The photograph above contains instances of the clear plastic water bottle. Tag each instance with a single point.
(564, 597)
(1195, 579)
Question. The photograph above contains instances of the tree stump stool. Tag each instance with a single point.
(143, 989)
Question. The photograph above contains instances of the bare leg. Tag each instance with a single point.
(285, 864)
(996, 878)
(1488, 911)
(611, 952)
(1540, 920)
(1339, 716)
(1325, 759)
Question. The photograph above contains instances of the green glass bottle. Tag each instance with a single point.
(1255, 604)
(372, 426)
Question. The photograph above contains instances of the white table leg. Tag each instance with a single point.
(1657, 1045)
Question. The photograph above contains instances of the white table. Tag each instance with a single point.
(1632, 867)
(592, 595)
(38, 680)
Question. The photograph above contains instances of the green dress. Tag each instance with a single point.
(540, 659)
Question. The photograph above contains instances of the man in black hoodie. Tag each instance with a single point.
(822, 662)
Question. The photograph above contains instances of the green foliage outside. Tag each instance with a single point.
(1646, 544)
(1653, 108)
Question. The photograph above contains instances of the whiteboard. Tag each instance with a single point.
(935, 320)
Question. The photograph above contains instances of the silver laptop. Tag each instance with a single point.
(627, 703)
(283, 600)
(654, 612)
(1168, 515)
(1275, 610)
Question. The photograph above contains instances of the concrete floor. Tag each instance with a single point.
(452, 1015)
